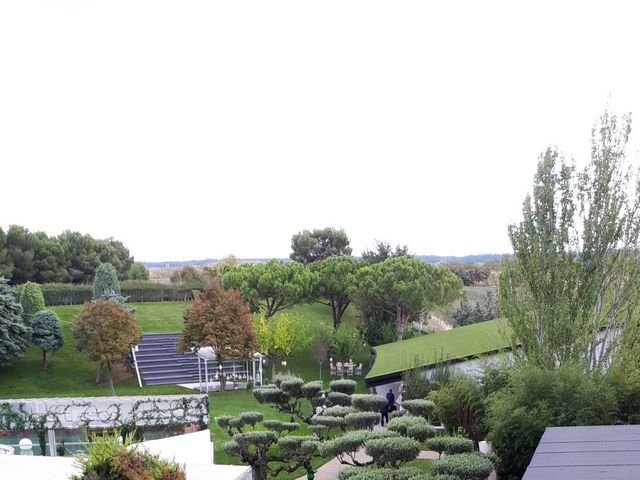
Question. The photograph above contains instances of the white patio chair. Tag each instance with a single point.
(359, 370)
(332, 369)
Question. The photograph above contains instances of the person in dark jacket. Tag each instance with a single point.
(384, 415)
(391, 398)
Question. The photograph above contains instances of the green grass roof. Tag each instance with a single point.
(455, 344)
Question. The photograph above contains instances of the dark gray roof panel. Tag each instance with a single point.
(609, 452)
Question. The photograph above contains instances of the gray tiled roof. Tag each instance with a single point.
(610, 452)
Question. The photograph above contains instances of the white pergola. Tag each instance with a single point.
(231, 370)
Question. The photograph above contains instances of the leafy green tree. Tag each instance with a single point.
(186, 275)
(138, 272)
(105, 281)
(32, 301)
(332, 282)
(114, 252)
(469, 313)
(312, 246)
(14, 334)
(221, 320)
(49, 260)
(382, 251)
(272, 286)
(47, 334)
(22, 245)
(282, 336)
(574, 281)
(404, 287)
(6, 263)
(346, 341)
(81, 256)
(106, 332)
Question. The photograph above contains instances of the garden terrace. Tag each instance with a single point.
(456, 345)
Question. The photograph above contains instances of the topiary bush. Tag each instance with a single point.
(338, 411)
(465, 466)
(279, 426)
(450, 445)
(105, 281)
(361, 420)
(251, 418)
(292, 386)
(319, 430)
(368, 402)
(312, 389)
(271, 395)
(329, 422)
(47, 334)
(337, 398)
(347, 444)
(348, 387)
(369, 473)
(392, 452)
(31, 300)
(419, 407)
(410, 426)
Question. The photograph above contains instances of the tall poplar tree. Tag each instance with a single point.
(571, 292)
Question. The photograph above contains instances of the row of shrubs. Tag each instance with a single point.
(138, 291)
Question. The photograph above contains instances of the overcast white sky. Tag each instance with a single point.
(192, 129)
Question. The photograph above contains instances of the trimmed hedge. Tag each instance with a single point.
(337, 398)
(465, 466)
(347, 387)
(329, 422)
(279, 426)
(450, 445)
(338, 411)
(370, 473)
(392, 452)
(419, 407)
(138, 291)
(411, 426)
(368, 402)
(362, 420)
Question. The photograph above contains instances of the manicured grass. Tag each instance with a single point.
(71, 373)
(456, 344)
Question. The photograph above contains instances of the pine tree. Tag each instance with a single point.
(14, 334)
(47, 334)
(32, 301)
(105, 281)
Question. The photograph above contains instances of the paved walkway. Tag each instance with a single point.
(329, 471)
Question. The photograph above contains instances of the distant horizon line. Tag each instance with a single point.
(479, 258)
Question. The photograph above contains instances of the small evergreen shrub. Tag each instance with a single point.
(370, 473)
(465, 466)
(338, 411)
(31, 300)
(251, 418)
(450, 445)
(368, 402)
(419, 407)
(362, 420)
(312, 389)
(329, 422)
(392, 452)
(410, 426)
(348, 387)
(279, 426)
(338, 398)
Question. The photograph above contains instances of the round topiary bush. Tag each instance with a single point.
(369, 473)
(450, 445)
(392, 452)
(337, 398)
(329, 422)
(419, 407)
(279, 426)
(318, 430)
(271, 395)
(465, 466)
(293, 387)
(362, 420)
(410, 426)
(348, 387)
(32, 301)
(368, 402)
(251, 418)
(338, 411)
(312, 389)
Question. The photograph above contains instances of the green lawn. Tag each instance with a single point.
(455, 344)
(72, 374)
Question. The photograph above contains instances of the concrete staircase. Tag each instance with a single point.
(159, 362)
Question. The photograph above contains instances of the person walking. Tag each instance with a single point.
(391, 398)
(384, 414)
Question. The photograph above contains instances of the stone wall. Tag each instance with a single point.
(103, 412)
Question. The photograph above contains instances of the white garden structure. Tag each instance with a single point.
(211, 371)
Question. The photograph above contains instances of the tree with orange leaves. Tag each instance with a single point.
(219, 319)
